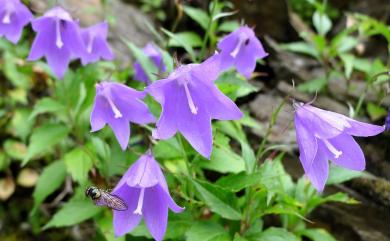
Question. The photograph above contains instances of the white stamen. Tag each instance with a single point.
(138, 210)
(117, 113)
(7, 17)
(193, 108)
(59, 42)
(332, 149)
(241, 40)
(90, 43)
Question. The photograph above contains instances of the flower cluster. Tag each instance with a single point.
(59, 38)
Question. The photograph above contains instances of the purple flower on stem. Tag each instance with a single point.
(13, 17)
(116, 105)
(323, 135)
(189, 100)
(58, 39)
(145, 191)
(95, 40)
(151, 51)
(241, 48)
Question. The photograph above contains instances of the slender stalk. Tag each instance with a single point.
(208, 31)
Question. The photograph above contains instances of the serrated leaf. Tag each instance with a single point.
(46, 105)
(44, 138)
(207, 231)
(198, 15)
(216, 204)
(51, 178)
(72, 213)
(78, 163)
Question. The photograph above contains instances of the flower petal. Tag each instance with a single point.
(99, 113)
(44, 38)
(121, 129)
(352, 156)
(318, 171)
(307, 144)
(363, 129)
(155, 212)
(125, 221)
(245, 62)
(143, 173)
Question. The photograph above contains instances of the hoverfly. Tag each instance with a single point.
(104, 198)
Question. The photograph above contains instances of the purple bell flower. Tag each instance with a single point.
(151, 51)
(189, 100)
(116, 105)
(13, 17)
(95, 40)
(58, 39)
(145, 191)
(323, 135)
(241, 48)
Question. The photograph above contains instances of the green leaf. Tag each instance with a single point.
(376, 112)
(187, 41)
(44, 138)
(302, 48)
(313, 85)
(20, 125)
(72, 213)
(216, 204)
(198, 15)
(14, 149)
(339, 175)
(146, 63)
(348, 60)
(228, 26)
(321, 22)
(190, 39)
(223, 159)
(51, 178)
(317, 234)
(237, 182)
(46, 105)
(207, 231)
(78, 163)
(168, 149)
(223, 14)
(275, 234)
(235, 86)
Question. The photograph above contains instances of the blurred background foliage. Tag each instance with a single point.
(252, 188)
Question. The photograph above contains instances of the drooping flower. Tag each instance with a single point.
(95, 40)
(151, 51)
(241, 48)
(13, 17)
(323, 135)
(145, 191)
(387, 124)
(58, 40)
(116, 105)
(189, 100)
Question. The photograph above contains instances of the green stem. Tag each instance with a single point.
(208, 31)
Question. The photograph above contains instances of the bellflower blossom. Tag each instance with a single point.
(95, 40)
(241, 48)
(189, 100)
(323, 135)
(58, 39)
(116, 105)
(145, 191)
(13, 17)
(151, 51)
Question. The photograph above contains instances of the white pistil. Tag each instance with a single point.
(59, 42)
(138, 210)
(193, 108)
(117, 113)
(241, 40)
(332, 149)
(90, 42)
(7, 17)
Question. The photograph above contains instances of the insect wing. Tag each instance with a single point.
(111, 201)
